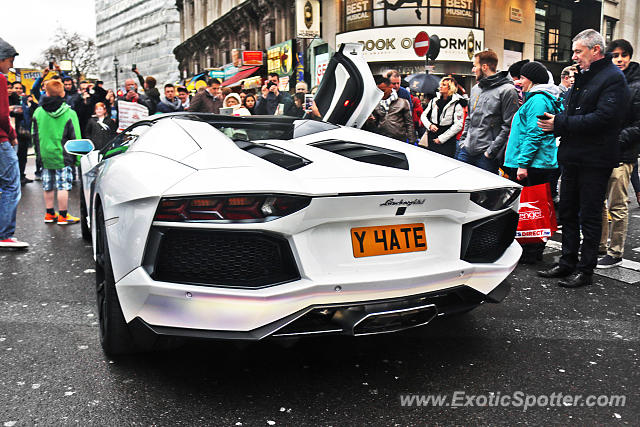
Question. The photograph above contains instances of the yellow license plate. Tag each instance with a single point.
(388, 239)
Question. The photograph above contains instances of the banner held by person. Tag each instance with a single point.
(129, 113)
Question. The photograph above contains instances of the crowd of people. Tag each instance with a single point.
(58, 110)
(583, 133)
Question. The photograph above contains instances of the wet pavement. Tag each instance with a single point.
(542, 339)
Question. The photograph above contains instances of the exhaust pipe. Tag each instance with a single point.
(394, 320)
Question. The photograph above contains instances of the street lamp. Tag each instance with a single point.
(116, 63)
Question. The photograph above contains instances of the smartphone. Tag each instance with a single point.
(133, 67)
(51, 65)
(308, 102)
(543, 117)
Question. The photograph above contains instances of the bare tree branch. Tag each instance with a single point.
(80, 50)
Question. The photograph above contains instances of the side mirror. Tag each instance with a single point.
(79, 147)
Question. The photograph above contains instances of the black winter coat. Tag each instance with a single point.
(590, 125)
(630, 133)
(100, 134)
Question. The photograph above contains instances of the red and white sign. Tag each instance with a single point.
(421, 43)
(252, 57)
(322, 61)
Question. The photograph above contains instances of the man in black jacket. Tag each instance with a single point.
(588, 130)
(629, 139)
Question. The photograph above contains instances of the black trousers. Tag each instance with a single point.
(582, 193)
(23, 148)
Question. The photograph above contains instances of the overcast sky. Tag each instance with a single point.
(31, 31)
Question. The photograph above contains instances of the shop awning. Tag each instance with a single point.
(244, 72)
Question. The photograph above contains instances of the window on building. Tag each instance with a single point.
(512, 52)
(552, 32)
(361, 14)
(609, 29)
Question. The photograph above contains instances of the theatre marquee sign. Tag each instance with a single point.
(396, 43)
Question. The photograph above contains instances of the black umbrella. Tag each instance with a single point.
(423, 83)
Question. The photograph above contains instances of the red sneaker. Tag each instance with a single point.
(49, 218)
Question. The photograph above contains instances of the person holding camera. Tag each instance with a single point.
(149, 85)
(272, 100)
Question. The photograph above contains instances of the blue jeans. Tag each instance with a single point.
(479, 161)
(10, 189)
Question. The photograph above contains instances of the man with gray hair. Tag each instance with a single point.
(589, 150)
(9, 169)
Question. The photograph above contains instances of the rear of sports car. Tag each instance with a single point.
(252, 228)
(349, 264)
(262, 248)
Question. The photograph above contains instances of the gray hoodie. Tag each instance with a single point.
(492, 104)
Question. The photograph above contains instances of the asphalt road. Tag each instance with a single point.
(542, 339)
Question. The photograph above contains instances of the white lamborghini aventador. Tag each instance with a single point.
(253, 227)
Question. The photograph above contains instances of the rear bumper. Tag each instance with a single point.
(196, 311)
(363, 318)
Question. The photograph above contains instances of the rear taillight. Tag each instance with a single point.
(242, 208)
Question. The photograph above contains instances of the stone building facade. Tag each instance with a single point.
(140, 32)
(514, 29)
(210, 30)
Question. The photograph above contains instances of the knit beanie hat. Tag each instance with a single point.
(536, 72)
(515, 68)
(6, 50)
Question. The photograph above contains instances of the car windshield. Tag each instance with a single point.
(257, 128)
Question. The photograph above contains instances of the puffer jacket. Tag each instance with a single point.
(529, 146)
(630, 134)
(396, 123)
(492, 104)
(589, 126)
(452, 115)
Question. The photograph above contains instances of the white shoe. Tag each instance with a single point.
(12, 242)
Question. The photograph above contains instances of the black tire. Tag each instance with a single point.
(115, 336)
(84, 225)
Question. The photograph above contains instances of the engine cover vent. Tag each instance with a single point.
(365, 153)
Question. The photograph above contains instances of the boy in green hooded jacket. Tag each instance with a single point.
(54, 123)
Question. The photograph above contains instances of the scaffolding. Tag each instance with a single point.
(140, 32)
